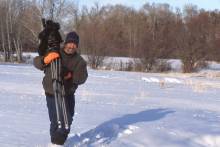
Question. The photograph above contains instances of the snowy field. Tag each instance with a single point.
(116, 109)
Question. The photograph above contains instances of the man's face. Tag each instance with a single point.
(70, 48)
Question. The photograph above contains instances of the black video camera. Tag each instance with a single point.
(50, 37)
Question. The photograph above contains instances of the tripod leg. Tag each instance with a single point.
(62, 98)
(64, 109)
(55, 88)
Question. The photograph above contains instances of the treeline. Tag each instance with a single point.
(155, 31)
(20, 24)
(19, 27)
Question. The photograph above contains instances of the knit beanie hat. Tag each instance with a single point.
(72, 37)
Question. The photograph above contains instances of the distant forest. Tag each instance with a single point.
(155, 31)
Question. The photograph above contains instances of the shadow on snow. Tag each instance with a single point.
(108, 131)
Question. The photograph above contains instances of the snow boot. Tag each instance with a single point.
(59, 137)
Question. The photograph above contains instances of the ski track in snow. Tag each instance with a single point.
(113, 109)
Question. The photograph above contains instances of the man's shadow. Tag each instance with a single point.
(108, 131)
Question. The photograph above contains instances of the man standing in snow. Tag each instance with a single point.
(74, 73)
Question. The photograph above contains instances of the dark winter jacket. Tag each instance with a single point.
(70, 63)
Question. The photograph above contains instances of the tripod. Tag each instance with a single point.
(59, 94)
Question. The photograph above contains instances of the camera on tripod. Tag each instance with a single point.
(50, 38)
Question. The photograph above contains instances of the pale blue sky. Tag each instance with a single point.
(206, 4)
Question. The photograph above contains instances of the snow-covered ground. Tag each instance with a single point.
(114, 109)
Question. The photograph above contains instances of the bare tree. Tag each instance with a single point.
(152, 33)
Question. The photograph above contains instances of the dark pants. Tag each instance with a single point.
(59, 135)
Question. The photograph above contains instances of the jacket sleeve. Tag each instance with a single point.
(38, 62)
(80, 74)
